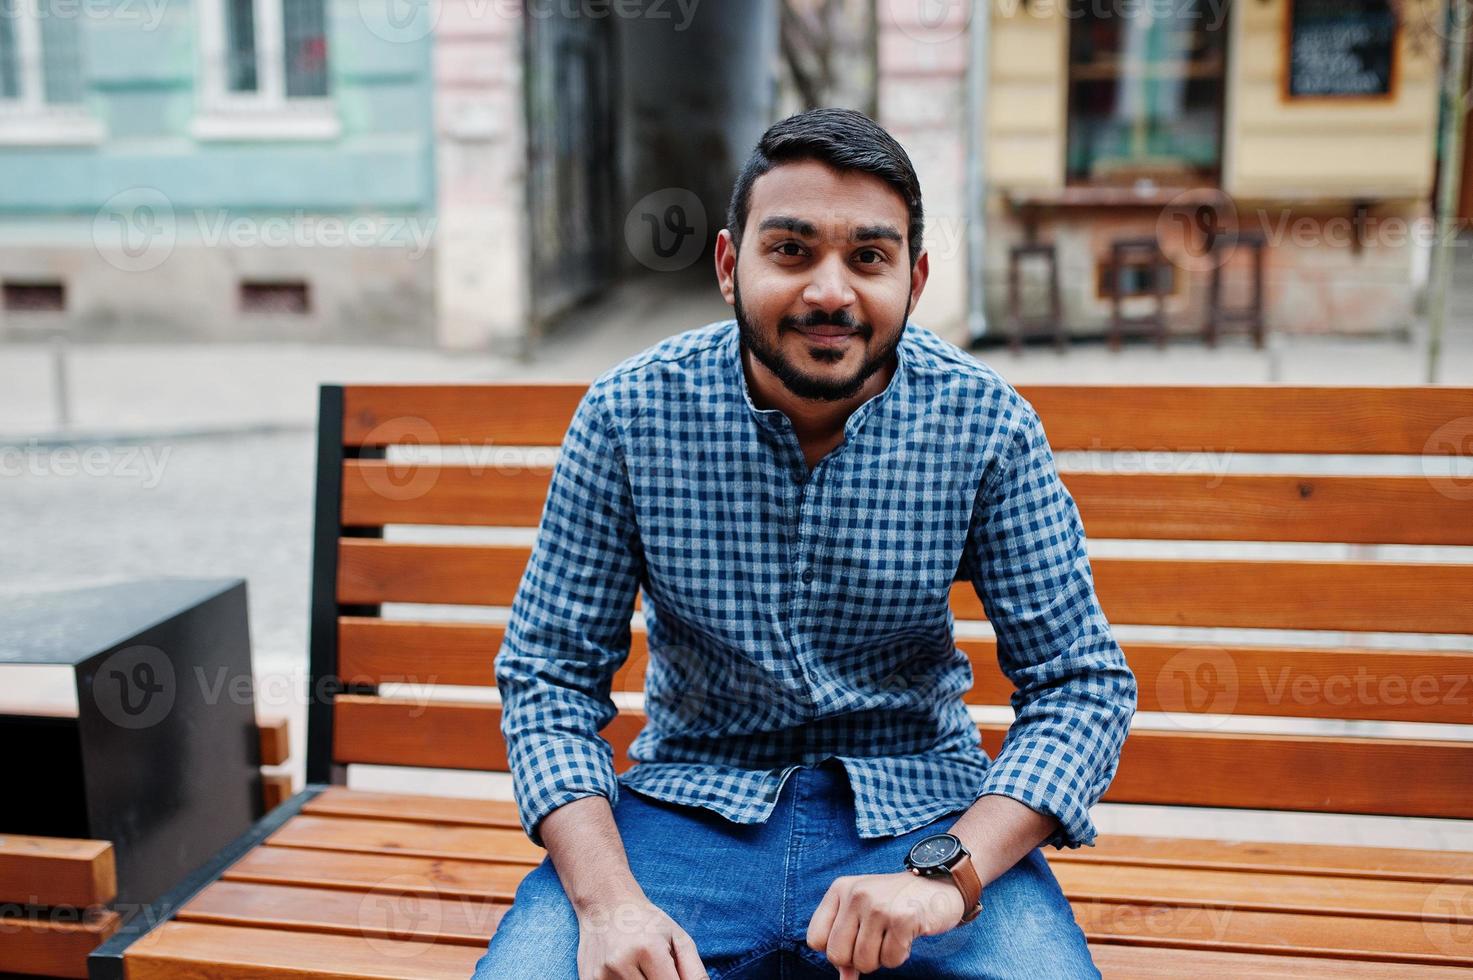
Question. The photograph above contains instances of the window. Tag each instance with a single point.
(1145, 91)
(265, 70)
(41, 77)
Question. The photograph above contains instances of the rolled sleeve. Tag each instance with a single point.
(568, 631)
(1075, 695)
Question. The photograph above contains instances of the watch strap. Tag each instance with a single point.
(964, 874)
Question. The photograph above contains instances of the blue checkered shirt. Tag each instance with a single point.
(794, 616)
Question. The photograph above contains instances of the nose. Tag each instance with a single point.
(828, 287)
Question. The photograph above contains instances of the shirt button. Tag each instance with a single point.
(807, 576)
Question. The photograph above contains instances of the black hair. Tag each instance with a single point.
(843, 139)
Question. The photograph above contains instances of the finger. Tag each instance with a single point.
(867, 943)
(848, 973)
(658, 964)
(840, 947)
(822, 921)
(896, 948)
(687, 959)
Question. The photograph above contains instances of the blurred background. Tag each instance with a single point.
(209, 207)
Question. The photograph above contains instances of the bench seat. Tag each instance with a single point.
(369, 884)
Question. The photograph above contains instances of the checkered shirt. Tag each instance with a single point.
(794, 616)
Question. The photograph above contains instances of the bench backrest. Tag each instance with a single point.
(1143, 490)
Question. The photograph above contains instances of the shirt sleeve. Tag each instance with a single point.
(568, 631)
(1075, 694)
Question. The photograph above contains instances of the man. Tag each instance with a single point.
(795, 491)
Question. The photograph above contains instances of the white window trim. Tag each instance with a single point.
(30, 120)
(265, 114)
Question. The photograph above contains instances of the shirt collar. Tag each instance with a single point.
(774, 418)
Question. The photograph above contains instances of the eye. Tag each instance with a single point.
(878, 256)
(793, 245)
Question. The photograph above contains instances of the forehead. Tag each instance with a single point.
(834, 201)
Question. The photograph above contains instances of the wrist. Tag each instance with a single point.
(606, 896)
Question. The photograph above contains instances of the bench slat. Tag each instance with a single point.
(1309, 419)
(383, 911)
(343, 802)
(1274, 857)
(275, 740)
(1172, 506)
(406, 837)
(1370, 898)
(1237, 930)
(1210, 507)
(1250, 418)
(203, 951)
(1421, 597)
(481, 879)
(57, 871)
(1291, 682)
(1326, 774)
(1119, 961)
(53, 943)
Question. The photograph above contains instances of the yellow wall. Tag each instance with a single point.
(1324, 148)
(1026, 96)
(1272, 148)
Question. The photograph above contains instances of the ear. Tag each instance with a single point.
(918, 276)
(726, 258)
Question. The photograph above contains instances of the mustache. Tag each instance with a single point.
(819, 318)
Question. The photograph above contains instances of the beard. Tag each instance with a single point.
(793, 378)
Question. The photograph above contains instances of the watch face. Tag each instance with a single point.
(934, 852)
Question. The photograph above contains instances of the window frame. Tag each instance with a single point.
(28, 119)
(1203, 178)
(267, 113)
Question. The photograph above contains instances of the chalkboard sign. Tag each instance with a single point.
(1340, 48)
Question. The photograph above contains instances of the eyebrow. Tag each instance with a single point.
(806, 229)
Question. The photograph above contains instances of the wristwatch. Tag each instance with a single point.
(945, 854)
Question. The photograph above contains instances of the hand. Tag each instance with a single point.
(866, 922)
(633, 939)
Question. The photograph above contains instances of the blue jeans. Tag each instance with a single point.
(745, 894)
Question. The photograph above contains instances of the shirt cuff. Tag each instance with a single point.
(558, 771)
(1043, 775)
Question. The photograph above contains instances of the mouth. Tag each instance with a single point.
(828, 335)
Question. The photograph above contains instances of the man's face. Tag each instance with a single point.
(823, 284)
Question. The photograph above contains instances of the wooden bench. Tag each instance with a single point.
(56, 892)
(349, 883)
(54, 896)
